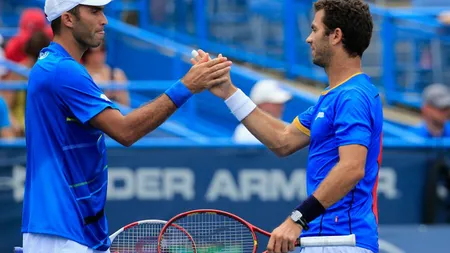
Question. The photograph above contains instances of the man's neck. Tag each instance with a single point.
(71, 46)
(93, 67)
(341, 69)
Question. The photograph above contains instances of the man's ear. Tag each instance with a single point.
(67, 19)
(336, 36)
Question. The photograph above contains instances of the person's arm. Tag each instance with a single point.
(89, 105)
(280, 138)
(344, 176)
(128, 129)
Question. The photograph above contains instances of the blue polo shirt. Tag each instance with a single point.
(350, 113)
(66, 176)
(423, 131)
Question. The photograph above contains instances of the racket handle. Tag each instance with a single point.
(324, 241)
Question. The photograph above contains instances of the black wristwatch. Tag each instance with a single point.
(298, 218)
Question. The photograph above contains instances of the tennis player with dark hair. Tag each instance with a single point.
(343, 131)
(67, 117)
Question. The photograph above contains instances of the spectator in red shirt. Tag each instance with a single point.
(31, 20)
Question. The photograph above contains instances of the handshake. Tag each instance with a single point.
(211, 74)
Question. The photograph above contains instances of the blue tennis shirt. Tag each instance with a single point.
(66, 176)
(350, 113)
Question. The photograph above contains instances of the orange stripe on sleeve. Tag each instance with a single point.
(301, 127)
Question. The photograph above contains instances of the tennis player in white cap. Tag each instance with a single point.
(67, 117)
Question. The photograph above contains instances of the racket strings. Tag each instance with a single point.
(207, 233)
(142, 238)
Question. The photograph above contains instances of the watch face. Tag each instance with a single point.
(296, 215)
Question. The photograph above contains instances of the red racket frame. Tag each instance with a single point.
(253, 229)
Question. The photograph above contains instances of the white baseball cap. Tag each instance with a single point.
(437, 95)
(55, 8)
(269, 91)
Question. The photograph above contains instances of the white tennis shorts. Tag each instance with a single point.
(340, 249)
(39, 243)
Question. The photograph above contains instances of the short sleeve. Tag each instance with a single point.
(303, 121)
(4, 115)
(353, 121)
(79, 92)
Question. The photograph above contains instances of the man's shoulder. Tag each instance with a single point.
(66, 69)
(69, 64)
(50, 60)
(360, 88)
(53, 69)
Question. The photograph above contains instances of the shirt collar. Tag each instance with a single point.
(325, 92)
(57, 47)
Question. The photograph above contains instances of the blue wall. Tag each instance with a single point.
(247, 180)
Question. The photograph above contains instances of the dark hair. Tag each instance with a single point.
(56, 24)
(36, 43)
(353, 18)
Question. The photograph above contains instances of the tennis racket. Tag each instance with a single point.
(137, 237)
(142, 237)
(219, 231)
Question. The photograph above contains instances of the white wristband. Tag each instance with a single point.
(240, 104)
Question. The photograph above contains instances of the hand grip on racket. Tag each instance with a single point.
(212, 230)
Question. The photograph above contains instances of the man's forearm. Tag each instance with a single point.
(338, 183)
(272, 132)
(266, 128)
(143, 120)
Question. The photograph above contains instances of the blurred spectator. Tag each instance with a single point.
(444, 17)
(5, 126)
(269, 97)
(31, 20)
(3, 70)
(435, 112)
(16, 99)
(94, 59)
(158, 11)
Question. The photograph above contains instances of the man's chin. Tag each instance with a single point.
(318, 63)
(97, 44)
